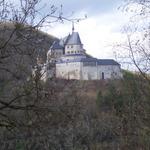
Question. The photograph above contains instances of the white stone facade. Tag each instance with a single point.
(77, 70)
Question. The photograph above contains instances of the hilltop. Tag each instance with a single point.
(25, 38)
(20, 45)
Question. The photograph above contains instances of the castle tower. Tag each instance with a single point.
(55, 52)
(73, 44)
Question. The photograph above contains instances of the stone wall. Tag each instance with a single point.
(68, 70)
(76, 70)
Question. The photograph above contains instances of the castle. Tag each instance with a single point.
(67, 59)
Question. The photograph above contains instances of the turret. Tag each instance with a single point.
(74, 45)
(55, 51)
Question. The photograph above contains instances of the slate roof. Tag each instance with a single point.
(99, 61)
(74, 39)
(63, 41)
(107, 62)
(74, 55)
(56, 45)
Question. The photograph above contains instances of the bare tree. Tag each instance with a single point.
(32, 114)
(136, 47)
(19, 44)
(136, 50)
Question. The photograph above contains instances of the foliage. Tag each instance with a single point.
(129, 102)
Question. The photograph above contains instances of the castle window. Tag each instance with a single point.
(103, 76)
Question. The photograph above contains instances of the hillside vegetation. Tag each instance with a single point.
(80, 115)
(20, 45)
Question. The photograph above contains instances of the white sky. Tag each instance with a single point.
(100, 32)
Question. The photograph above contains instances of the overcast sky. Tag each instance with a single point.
(100, 32)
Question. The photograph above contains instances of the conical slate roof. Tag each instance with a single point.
(63, 41)
(56, 45)
(74, 39)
